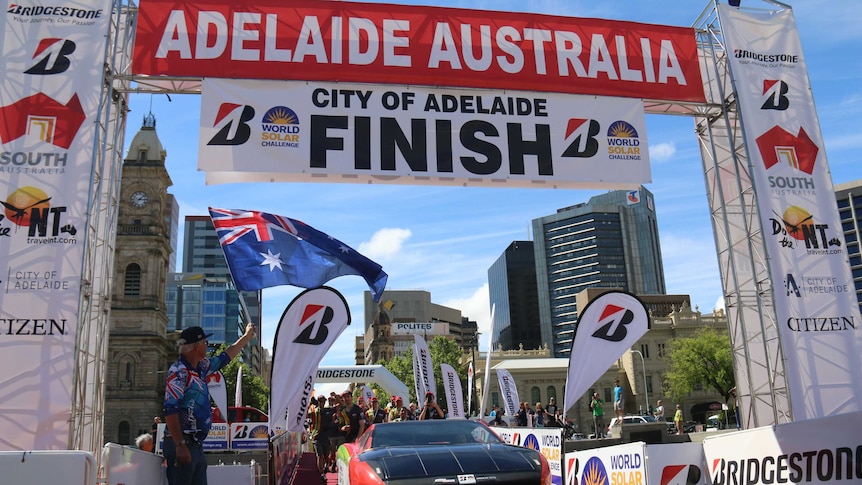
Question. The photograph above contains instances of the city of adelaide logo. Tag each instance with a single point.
(53, 57)
(280, 128)
(780, 146)
(796, 224)
(47, 118)
(30, 207)
(623, 142)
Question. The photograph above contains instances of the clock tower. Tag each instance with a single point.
(140, 349)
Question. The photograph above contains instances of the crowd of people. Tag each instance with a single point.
(337, 419)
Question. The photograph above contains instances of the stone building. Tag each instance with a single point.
(139, 349)
(539, 376)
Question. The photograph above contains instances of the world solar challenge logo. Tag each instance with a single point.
(594, 472)
(623, 142)
(280, 128)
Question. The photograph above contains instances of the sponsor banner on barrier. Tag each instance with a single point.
(638, 464)
(319, 131)
(547, 441)
(676, 464)
(416, 45)
(817, 313)
(824, 450)
(217, 439)
(249, 436)
(51, 71)
(617, 465)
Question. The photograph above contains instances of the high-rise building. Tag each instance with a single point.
(202, 254)
(609, 242)
(849, 197)
(513, 295)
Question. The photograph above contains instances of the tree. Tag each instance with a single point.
(703, 359)
(254, 391)
(443, 350)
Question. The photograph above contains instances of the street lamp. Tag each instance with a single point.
(643, 364)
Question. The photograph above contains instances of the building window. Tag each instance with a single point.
(123, 433)
(552, 393)
(662, 351)
(649, 383)
(645, 350)
(132, 285)
(535, 394)
(142, 156)
(608, 397)
(128, 372)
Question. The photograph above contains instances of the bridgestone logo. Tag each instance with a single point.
(824, 465)
(345, 373)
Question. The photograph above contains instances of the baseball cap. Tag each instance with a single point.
(346, 391)
(193, 335)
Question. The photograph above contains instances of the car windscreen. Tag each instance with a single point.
(420, 433)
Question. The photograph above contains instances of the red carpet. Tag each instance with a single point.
(307, 473)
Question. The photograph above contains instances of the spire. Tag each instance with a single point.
(149, 122)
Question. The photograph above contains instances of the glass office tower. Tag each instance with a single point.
(609, 242)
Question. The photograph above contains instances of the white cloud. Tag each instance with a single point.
(385, 243)
(662, 151)
(478, 307)
(719, 303)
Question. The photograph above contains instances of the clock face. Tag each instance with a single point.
(139, 199)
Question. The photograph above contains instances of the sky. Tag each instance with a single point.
(444, 239)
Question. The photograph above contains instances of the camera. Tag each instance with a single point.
(429, 398)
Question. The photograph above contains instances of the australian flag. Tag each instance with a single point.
(264, 250)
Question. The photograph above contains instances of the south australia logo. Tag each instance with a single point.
(779, 146)
(43, 117)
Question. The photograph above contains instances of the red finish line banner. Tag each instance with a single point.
(398, 44)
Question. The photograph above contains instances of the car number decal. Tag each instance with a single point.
(466, 479)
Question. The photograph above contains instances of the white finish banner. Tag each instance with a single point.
(824, 450)
(607, 328)
(311, 323)
(547, 441)
(817, 313)
(509, 392)
(453, 393)
(359, 133)
(51, 71)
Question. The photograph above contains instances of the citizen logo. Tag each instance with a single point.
(33, 326)
(821, 324)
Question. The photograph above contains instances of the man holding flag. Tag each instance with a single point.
(187, 404)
